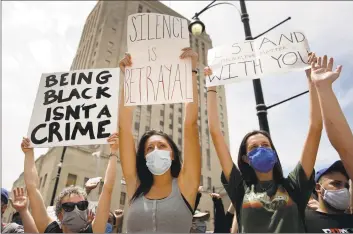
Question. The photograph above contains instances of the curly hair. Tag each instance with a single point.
(67, 192)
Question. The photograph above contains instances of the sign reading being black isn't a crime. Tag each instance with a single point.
(75, 108)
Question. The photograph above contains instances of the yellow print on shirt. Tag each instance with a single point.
(262, 200)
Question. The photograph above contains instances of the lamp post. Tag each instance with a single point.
(58, 176)
(197, 27)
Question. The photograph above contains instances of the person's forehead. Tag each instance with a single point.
(155, 139)
(334, 176)
(256, 139)
(72, 198)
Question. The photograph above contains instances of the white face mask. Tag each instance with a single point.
(158, 161)
(338, 199)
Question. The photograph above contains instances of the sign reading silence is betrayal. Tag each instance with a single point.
(271, 54)
(75, 108)
(157, 74)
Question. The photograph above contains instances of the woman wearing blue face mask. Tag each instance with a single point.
(265, 201)
(162, 190)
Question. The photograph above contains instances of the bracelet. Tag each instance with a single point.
(113, 154)
(211, 91)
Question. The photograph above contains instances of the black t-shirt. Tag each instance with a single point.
(281, 211)
(318, 222)
(54, 227)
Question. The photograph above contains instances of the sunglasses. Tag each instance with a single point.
(70, 206)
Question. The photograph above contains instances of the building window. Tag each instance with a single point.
(109, 52)
(162, 112)
(223, 133)
(147, 128)
(92, 63)
(45, 179)
(149, 108)
(111, 43)
(85, 181)
(171, 116)
(209, 183)
(96, 44)
(114, 30)
(107, 62)
(148, 11)
(71, 180)
(222, 124)
(139, 9)
(208, 159)
(171, 126)
(161, 123)
(179, 120)
(179, 130)
(122, 198)
(201, 180)
(221, 116)
(100, 187)
(137, 126)
(221, 106)
(172, 106)
(180, 109)
(179, 141)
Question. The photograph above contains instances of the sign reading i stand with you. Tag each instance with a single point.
(271, 54)
(75, 108)
(157, 74)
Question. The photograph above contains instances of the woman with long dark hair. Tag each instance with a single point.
(265, 201)
(162, 190)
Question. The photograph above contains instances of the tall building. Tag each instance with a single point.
(103, 44)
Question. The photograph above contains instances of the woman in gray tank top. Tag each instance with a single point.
(161, 190)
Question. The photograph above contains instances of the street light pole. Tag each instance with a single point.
(58, 176)
(259, 97)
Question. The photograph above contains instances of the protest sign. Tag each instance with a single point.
(157, 74)
(271, 54)
(75, 108)
(283, 52)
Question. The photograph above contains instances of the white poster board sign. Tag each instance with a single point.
(157, 74)
(75, 108)
(51, 212)
(271, 54)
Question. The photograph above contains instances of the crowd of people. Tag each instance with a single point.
(163, 181)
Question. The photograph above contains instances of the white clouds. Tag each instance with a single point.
(37, 37)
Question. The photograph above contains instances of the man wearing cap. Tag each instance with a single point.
(332, 189)
(9, 227)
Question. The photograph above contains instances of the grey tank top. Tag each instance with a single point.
(170, 214)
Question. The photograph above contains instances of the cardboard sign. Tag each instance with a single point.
(75, 108)
(157, 74)
(268, 55)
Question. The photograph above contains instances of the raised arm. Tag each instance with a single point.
(311, 145)
(20, 204)
(126, 139)
(103, 208)
(39, 212)
(219, 142)
(337, 128)
(189, 179)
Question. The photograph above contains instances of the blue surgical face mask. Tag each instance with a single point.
(158, 161)
(262, 159)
